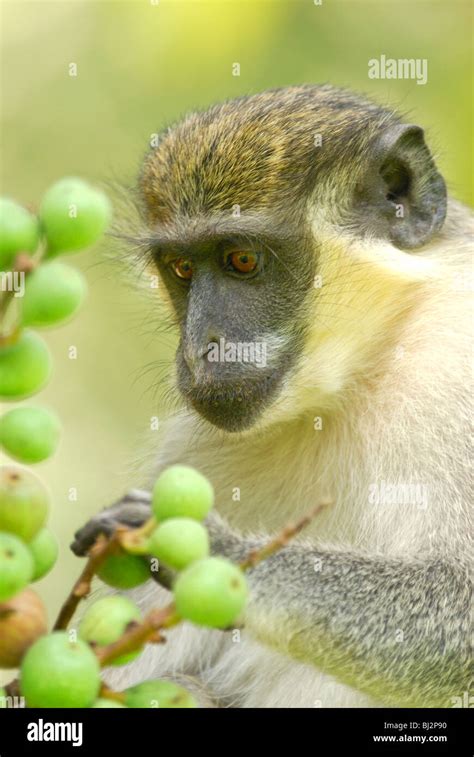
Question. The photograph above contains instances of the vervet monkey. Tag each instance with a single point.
(315, 222)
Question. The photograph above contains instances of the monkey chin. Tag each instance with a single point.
(232, 406)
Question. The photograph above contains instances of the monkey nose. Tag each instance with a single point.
(196, 356)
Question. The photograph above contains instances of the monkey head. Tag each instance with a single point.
(283, 227)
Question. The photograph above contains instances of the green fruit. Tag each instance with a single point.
(57, 672)
(110, 703)
(19, 232)
(16, 566)
(53, 293)
(73, 215)
(44, 550)
(182, 492)
(211, 592)
(25, 366)
(178, 542)
(159, 694)
(29, 434)
(24, 502)
(106, 621)
(124, 571)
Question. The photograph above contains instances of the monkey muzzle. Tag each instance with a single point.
(230, 395)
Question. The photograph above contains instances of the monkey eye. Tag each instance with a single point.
(243, 261)
(183, 268)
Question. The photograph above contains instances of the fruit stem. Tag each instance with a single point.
(13, 688)
(102, 548)
(11, 337)
(282, 539)
(116, 696)
(23, 263)
(139, 634)
(135, 540)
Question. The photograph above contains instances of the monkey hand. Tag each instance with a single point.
(132, 510)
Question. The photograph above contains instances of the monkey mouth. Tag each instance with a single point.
(232, 404)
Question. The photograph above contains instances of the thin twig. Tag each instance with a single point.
(102, 548)
(13, 688)
(139, 634)
(23, 263)
(116, 696)
(134, 540)
(282, 539)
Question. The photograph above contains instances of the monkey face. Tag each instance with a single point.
(244, 204)
(237, 298)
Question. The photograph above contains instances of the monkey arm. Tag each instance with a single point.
(381, 625)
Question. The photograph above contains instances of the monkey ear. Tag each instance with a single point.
(402, 194)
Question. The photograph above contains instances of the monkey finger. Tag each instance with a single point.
(163, 575)
(132, 510)
(85, 537)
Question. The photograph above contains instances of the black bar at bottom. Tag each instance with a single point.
(366, 732)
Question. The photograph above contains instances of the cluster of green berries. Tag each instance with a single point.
(72, 216)
(62, 669)
(208, 591)
(37, 290)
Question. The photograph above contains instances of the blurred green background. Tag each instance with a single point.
(141, 65)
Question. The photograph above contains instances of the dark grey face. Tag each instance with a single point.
(239, 301)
